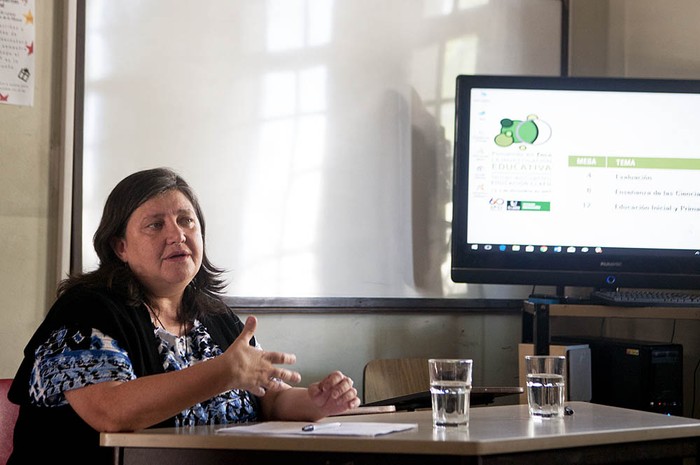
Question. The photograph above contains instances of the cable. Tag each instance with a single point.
(695, 386)
(673, 331)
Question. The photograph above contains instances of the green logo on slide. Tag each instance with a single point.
(532, 131)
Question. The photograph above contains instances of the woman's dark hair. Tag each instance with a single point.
(127, 196)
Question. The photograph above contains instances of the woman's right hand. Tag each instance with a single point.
(257, 370)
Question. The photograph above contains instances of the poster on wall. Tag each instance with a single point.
(17, 68)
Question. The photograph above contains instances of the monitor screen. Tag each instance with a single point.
(563, 181)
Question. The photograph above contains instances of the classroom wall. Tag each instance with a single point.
(323, 162)
(29, 160)
(346, 341)
(30, 156)
(609, 37)
(646, 39)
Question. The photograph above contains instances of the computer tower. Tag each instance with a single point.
(635, 374)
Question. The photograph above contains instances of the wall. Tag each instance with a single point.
(29, 150)
(29, 160)
(635, 38)
(346, 341)
(322, 161)
(646, 39)
(30, 178)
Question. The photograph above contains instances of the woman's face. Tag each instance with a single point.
(163, 244)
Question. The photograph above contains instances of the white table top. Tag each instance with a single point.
(492, 430)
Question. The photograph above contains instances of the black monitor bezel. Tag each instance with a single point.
(626, 268)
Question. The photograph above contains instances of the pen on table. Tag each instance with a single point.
(319, 426)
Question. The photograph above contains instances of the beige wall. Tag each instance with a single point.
(29, 153)
(635, 38)
(646, 39)
(607, 38)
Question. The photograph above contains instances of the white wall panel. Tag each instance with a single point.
(316, 132)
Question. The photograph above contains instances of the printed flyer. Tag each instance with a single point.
(17, 47)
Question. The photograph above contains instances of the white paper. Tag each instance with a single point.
(350, 428)
(17, 47)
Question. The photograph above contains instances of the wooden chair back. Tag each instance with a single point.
(388, 378)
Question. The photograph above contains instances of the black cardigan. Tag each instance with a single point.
(58, 432)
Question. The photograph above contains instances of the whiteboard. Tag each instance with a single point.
(317, 133)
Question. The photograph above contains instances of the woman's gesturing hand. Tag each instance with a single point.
(257, 370)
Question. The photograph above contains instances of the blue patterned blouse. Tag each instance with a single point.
(60, 366)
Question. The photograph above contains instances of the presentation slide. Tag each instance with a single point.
(583, 169)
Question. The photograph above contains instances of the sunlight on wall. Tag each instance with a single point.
(280, 229)
(96, 70)
(434, 68)
(318, 133)
(294, 24)
(446, 7)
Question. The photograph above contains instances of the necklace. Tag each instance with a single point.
(183, 326)
(160, 323)
(182, 336)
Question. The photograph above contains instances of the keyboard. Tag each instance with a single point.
(646, 298)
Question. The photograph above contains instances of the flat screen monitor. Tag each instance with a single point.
(591, 182)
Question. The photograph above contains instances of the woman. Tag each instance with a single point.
(145, 340)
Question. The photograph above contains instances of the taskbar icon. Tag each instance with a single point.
(529, 248)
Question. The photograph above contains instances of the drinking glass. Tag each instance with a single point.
(450, 387)
(546, 387)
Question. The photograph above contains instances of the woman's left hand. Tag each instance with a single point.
(334, 394)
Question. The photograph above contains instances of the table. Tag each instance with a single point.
(496, 435)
